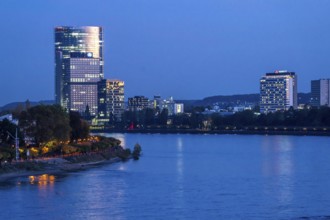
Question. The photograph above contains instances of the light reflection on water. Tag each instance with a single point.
(187, 177)
(279, 164)
(180, 174)
(42, 180)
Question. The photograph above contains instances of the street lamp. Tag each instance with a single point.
(16, 144)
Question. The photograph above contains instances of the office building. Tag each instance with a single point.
(278, 91)
(138, 103)
(110, 100)
(157, 102)
(320, 92)
(169, 105)
(178, 108)
(82, 70)
(78, 66)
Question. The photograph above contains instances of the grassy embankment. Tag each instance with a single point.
(83, 154)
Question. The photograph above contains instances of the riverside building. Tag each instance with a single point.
(278, 91)
(78, 67)
(138, 103)
(320, 92)
(110, 101)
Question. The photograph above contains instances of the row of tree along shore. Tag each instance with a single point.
(301, 131)
(313, 121)
(47, 131)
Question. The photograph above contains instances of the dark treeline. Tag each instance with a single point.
(291, 118)
(150, 118)
(43, 123)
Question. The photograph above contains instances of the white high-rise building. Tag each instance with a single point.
(278, 91)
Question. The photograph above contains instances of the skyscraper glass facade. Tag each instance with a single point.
(78, 66)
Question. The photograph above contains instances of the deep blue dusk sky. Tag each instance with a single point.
(189, 49)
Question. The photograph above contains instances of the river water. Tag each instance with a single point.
(187, 177)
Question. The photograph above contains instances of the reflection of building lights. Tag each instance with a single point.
(32, 179)
(42, 180)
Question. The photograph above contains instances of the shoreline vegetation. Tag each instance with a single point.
(201, 120)
(49, 139)
(297, 131)
(60, 164)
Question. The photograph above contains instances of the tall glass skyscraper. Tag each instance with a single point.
(78, 66)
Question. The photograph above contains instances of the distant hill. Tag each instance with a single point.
(188, 104)
(14, 105)
(231, 100)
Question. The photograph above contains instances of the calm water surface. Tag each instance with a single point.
(187, 177)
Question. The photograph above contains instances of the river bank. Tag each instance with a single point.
(54, 166)
(301, 131)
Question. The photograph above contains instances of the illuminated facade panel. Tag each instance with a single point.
(111, 100)
(83, 95)
(278, 91)
(178, 108)
(80, 88)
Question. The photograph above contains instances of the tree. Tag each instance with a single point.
(17, 111)
(87, 114)
(181, 120)
(44, 123)
(163, 117)
(7, 152)
(27, 104)
(196, 119)
(149, 116)
(79, 127)
(5, 127)
(136, 151)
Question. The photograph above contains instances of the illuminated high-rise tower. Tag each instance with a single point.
(78, 66)
(278, 91)
(110, 100)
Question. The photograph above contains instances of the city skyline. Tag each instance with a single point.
(220, 48)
